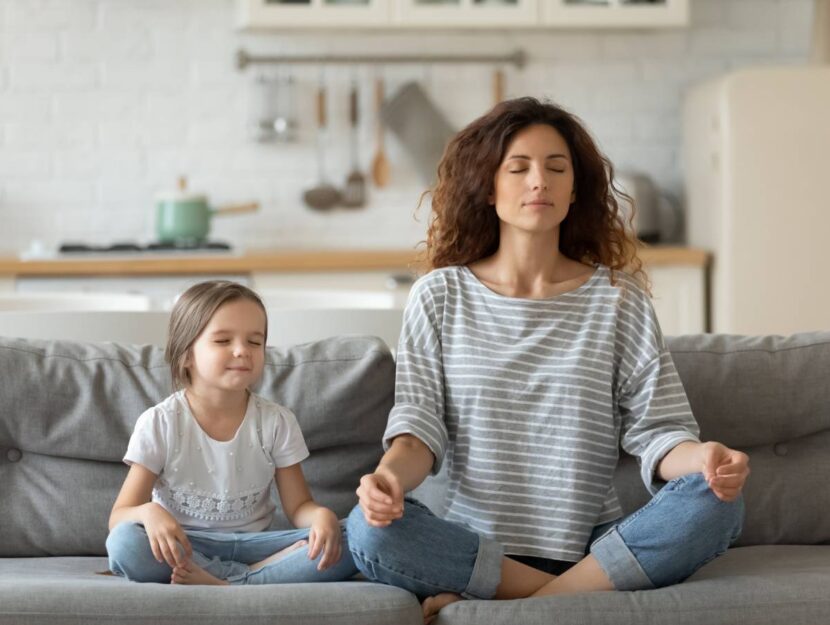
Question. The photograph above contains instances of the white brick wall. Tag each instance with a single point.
(103, 103)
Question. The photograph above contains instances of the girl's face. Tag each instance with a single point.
(229, 354)
(534, 184)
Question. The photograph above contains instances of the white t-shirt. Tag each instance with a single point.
(210, 484)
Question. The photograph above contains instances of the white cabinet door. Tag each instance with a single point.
(615, 13)
(351, 289)
(467, 13)
(679, 298)
(274, 14)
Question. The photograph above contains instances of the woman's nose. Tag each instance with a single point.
(536, 178)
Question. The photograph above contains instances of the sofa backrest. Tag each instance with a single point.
(767, 396)
(67, 410)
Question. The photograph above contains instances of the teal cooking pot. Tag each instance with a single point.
(183, 218)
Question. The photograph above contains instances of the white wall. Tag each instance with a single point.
(105, 102)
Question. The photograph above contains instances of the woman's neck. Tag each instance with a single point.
(529, 265)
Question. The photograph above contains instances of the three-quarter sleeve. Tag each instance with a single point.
(655, 415)
(419, 377)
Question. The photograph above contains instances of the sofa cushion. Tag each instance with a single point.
(751, 585)
(769, 397)
(68, 410)
(68, 591)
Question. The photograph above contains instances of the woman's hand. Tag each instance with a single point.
(724, 469)
(381, 497)
(324, 538)
(165, 535)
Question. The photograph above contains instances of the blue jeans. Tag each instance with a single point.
(225, 555)
(683, 527)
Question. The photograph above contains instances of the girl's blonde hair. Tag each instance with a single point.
(191, 314)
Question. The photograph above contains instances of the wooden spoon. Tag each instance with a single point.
(380, 164)
(498, 86)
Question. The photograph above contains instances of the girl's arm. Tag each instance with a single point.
(301, 509)
(133, 504)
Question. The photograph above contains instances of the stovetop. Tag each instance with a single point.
(130, 247)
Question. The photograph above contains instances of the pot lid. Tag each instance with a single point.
(181, 194)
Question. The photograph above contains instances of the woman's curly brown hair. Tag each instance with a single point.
(464, 226)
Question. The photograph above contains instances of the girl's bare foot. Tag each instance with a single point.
(279, 555)
(432, 605)
(194, 575)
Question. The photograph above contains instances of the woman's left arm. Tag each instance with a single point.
(301, 509)
(724, 469)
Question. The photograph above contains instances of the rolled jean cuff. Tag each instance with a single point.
(619, 564)
(486, 571)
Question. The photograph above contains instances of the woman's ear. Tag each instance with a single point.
(573, 196)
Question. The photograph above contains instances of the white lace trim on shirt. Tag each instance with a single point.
(210, 506)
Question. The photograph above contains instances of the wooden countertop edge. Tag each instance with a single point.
(264, 261)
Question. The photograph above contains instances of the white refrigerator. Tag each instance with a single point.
(756, 152)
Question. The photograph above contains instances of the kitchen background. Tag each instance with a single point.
(104, 103)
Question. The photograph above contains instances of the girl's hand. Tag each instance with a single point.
(165, 536)
(381, 497)
(324, 538)
(724, 469)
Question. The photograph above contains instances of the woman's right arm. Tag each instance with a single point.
(134, 504)
(403, 467)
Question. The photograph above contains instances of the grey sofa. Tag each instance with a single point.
(67, 410)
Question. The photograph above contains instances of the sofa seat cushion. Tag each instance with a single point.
(763, 585)
(68, 591)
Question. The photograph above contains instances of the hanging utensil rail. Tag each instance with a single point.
(243, 59)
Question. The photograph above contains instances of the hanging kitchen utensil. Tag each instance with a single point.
(354, 193)
(285, 123)
(324, 196)
(183, 218)
(498, 86)
(261, 108)
(380, 164)
(420, 127)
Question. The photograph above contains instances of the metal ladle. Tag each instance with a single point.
(324, 196)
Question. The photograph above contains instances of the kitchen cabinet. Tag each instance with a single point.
(679, 298)
(276, 14)
(335, 278)
(472, 14)
(614, 13)
(466, 13)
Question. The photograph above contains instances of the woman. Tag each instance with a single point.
(527, 358)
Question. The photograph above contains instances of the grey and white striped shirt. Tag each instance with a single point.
(528, 401)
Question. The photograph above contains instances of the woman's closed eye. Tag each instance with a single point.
(519, 171)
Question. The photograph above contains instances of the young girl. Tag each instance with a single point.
(528, 356)
(195, 504)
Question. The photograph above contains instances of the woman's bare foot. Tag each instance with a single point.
(193, 575)
(279, 555)
(432, 605)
